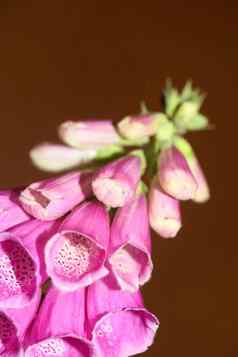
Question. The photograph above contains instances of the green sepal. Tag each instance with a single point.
(185, 147)
(190, 94)
(138, 142)
(198, 122)
(108, 152)
(142, 188)
(171, 98)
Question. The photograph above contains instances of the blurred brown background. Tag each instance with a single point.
(101, 59)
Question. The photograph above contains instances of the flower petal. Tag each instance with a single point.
(11, 212)
(13, 326)
(18, 273)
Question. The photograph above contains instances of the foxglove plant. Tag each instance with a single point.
(75, 249)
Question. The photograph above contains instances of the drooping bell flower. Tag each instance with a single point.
(53, 198)
(138, 126)
(13, 327)
(57, 157)
(75, 256)
(11, 212)
(33, 236)
(118, 322)
(115, 183)
(88, 134)
(59, 328)
(130, 245)
(175, 175)
(21, 262)
(164, 212)
(202, 193)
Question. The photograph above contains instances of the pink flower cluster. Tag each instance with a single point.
(75, 249)
(56, 229)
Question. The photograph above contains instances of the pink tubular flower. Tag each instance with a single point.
(119, 324)
(88, 134)
(115, 183)
(52, 198)
(11, 212)
(59, 328)
(164, 212)
(34, 235)
(175, 176)
(138, 127)
(130, 245)
(57, 157)
(21, 262)
(75, 256)
(13, 327)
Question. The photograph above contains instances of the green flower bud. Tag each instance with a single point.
(165, 128)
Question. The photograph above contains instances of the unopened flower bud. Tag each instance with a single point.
(115, 183)
(138, 127)
(88, 134)
(56, 157)
(164, 212)
(175, 175)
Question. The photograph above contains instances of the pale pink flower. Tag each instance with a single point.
(164, 212)
(175, 175)
(138, 126)
(88, 134)
(58, 157)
